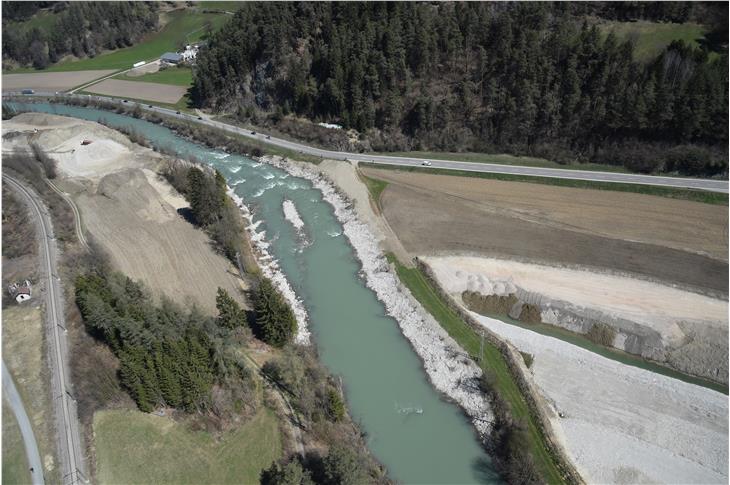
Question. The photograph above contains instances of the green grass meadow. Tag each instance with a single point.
(15, 463)
(652, 37)
(134, 447)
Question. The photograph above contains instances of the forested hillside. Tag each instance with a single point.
(83, 29)
(523, 78)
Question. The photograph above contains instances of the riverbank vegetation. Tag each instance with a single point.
(533, 79)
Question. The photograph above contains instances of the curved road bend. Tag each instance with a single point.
(712, 185)
(10, 393)
(73, 469)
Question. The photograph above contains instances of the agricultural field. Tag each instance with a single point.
(14, 461)
(184, 25)
(133, 447)
(681, 242)
(174, 76)
(147, 91)
(652, 37)
(50, 82)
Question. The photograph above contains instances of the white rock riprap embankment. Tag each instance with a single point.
(448, 370)
(270, 269)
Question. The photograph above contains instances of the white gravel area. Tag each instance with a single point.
(292, 215)
(449, 372)
(657, 306)
(270, 268)
(624, 424)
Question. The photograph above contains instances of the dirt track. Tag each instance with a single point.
(162, 93)
(50, 81)
(651, 237)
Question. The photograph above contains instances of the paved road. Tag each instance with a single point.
(712, 185)
(10, 393)
(73, 469)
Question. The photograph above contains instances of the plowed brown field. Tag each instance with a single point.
(674, 241)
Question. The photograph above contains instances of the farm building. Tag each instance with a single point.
(21, 292)
(171, 58)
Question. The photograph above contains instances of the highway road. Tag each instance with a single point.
(712, 185)
(10, 393)
(73, 468)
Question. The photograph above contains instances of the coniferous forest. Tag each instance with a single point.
(82, 29)
(532, 78)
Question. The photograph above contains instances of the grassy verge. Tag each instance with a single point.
(184, 25)
(491, 360)
(175, 76)
(15, 463)
(183, 105)
(669, 192)
(375, 187)
(133, 447)
(505, 159)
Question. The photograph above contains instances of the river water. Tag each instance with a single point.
(356, 339)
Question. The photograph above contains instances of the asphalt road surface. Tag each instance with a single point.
(10, 393)
(712, 185)
(73, 469)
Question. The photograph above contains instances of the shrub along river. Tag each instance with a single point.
(383, 376)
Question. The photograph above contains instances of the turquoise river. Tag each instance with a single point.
(355, 338)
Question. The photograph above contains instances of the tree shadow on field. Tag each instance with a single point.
(187, 214)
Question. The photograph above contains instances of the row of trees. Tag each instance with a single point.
(213, 210)
(82, 29)
(528, 78)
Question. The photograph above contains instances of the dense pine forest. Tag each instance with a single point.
(82, 29)
(522, 78)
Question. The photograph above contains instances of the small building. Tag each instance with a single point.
(171, 58)
(21, 292)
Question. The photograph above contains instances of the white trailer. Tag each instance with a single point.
(137, 64)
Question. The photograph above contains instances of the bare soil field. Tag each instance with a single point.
(133, 213)
(148, 68)
(162, 93)
(50, 81)
(673, 241)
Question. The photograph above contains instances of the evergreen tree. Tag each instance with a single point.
(274, 318)
(230, 314)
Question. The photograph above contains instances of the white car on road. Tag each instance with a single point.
(426, 163)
